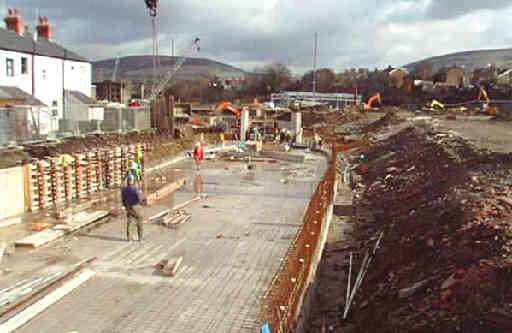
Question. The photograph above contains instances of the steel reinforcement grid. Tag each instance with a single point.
(280, 303)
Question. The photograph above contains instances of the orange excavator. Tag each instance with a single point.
(375, 98)
(228, 106)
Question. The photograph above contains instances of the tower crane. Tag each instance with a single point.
(152, 6)
(194, 46)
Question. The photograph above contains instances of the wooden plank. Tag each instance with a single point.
(10, 221)
(30, 312)
(40, 238)
(186, 203)
(81, 220)
(27, 187)
(165, 191)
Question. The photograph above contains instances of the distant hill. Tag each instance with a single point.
(470, 60)
(141, 68)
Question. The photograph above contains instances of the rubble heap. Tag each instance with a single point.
(443, 264)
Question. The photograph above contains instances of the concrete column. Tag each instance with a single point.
(120, 119)
(297, 125)
(244, 123)
(170, 105)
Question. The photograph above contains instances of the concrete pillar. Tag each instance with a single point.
(297, 125)
(244, 123)
(170, 105)
(119, 119)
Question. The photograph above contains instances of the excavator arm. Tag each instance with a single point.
(374, 98)
(228, 106)
(483, 93)
(486, 108)
(436, 103)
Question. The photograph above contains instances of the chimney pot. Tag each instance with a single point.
(14, 21)
(44, 29)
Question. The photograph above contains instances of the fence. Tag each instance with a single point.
(282, 300)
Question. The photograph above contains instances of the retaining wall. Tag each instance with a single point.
(13, 194)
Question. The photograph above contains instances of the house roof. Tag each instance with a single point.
(10, 40)
(9, 92)
(79, 97)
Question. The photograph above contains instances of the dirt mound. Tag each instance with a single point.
(13, 157)
(390, 118)
(444, 209)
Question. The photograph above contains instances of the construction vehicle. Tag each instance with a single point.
(374, 98)
(228, 106)
(486, 107)
(435, 105)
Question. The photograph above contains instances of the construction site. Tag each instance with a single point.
(310, 212)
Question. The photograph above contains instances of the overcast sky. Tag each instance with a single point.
(251, 33)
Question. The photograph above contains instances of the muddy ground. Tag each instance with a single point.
(440, 194)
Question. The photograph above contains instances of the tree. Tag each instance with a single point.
(325, 80)
(276, 77)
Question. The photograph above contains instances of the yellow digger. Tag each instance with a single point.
(435, 105)
(485, 107)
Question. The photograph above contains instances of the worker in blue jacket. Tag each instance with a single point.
(132, 197)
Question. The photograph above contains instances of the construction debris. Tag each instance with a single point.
(79, 221)
(176, 218)
(169, 267)
(444, 263)
(165, 191)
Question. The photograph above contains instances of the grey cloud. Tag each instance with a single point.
(442, 9)
(246, 34)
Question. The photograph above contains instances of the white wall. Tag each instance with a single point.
(13, 202)
(78, 76)
(48, 81)
(22, 81)
(47, 76)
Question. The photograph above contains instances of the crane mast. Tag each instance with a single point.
(152, 6)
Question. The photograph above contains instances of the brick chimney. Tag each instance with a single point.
(13, 21)
(44, 29)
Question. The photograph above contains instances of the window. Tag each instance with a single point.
(9, 67)
(24, 65)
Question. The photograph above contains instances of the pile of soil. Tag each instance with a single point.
(13, 157)
(164, 146)
(390, 118)
(444, 209)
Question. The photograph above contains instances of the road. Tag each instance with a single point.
(231, 250)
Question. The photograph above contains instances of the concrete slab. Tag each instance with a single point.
(231, 249)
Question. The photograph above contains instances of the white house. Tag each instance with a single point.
(39, 66)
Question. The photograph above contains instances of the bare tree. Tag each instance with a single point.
(276, 77)
(325, 80)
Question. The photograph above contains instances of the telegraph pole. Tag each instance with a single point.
(314, 65)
